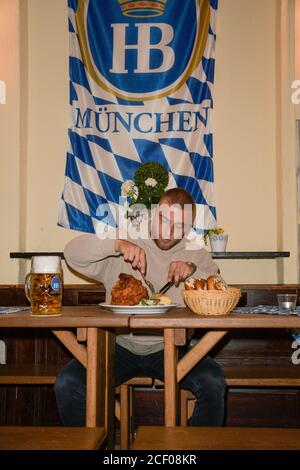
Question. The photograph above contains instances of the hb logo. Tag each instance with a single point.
(143, 9)
(143, 48)
(131, 54)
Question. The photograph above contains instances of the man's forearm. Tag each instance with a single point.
(87, 249)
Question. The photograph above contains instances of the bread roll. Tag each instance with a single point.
(220, 284)
(211, 280)
(190, 284)
(215, 283)
(200, 284)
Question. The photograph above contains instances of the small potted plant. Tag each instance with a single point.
(217, 238)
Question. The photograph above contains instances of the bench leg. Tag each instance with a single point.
(110, 339)
(183, 408)
(96, 380)
(125, 406)
(171, 382)
(187, 405)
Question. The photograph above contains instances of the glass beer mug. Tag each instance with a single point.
(43, 285)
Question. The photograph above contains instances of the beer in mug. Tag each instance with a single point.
(43, 286)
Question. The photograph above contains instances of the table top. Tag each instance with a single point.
(76, 317)
(96, 317)
(184, 318)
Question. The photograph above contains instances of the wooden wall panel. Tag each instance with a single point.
(263, 408)
(255, 347)
(244, 407)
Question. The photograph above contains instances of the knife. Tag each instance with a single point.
(166, 287)
(170, 283)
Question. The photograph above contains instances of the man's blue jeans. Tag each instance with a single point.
(205, 380)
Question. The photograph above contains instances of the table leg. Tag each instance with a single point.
(170, 378)
(95, 377)
(194, 355)
(180, 337)
(81, 335)
(110, 389)
(69, 340)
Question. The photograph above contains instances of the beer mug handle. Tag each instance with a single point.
(27, 287)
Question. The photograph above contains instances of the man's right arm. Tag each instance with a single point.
(89, 255)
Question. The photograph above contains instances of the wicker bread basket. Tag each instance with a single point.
(212, 302)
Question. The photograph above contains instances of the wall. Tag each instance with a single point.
(255, 141)
(48, 122)
(48, 87)
(287, 145)
(9, 138)
(245, 134)
(297, 39)
(250, 159)
(297, 60)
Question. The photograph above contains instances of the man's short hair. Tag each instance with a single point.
(179, 196)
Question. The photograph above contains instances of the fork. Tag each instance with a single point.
(149, 284)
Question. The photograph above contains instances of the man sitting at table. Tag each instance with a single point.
(163, 258)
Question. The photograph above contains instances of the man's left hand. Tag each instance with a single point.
(179, 271)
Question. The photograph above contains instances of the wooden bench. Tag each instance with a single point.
(227, 438)
(263, 375)
(235, 376)
(247, 376)
(29, 374)
(51, 438)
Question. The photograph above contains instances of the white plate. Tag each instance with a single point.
(138, 309)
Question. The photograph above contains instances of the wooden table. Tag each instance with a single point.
(177, 321)
(95, 326)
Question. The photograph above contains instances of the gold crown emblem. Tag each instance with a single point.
(143, 8)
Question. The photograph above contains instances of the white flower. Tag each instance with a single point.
(151, 182)
(127, 188)
(135, 192)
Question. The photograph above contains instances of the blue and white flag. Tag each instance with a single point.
(141, 79)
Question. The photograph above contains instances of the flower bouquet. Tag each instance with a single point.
(150, 182)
